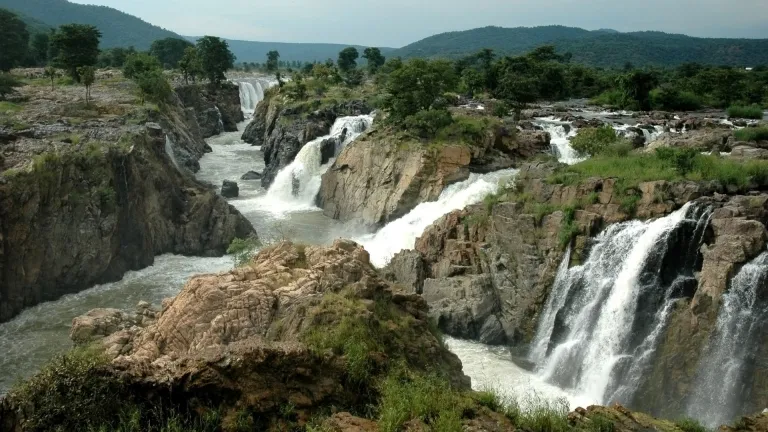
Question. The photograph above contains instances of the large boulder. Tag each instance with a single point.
(699, 139)
(229, 189)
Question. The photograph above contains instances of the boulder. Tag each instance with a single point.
(251, 175)
(702, 140)
(230, 189)
(407, 268)
(744, 151)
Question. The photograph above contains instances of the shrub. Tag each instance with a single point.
(594, 141)
(242, 250)
(7, 84)
(746, 112)
(140, 63)
(752, 134)
(682, 159)
(610, 98)
(154, 87)
(690, 425)
(670, 98)
(426, 123)
(428, 398)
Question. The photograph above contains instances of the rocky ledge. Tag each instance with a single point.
(217, 109)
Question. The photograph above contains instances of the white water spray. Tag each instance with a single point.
(169, 151)
(402, 233)
(560, 136)
(251, 93)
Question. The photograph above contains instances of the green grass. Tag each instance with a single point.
(466, 130)
(752, 134)
(427, 398)
(690, 425)
(746, 112)
(9, 107)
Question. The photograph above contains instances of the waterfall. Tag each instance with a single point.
(298, 183)
(601, 324)
(402, 233)
(169, 151)
(221, 122)
(720, 391)
(560, 135)
(251, 93)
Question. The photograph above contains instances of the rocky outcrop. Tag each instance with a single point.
(87, 213)
(313, 328)
(283, 130)
(700, 139)
(217, 109)
(230, 189)
(382, 176)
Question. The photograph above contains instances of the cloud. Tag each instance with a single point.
(399, 22)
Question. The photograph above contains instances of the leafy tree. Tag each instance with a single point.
(14, 40)
(518, 82)
(354, 78)
(140, 63)
(348, 59)
(77, 45)
(637, 86)
(417, 86)
(169, 51)
(427, 123)
(51, 73)
(375, 59)
(87, 77)
(273, 61)
(154, 86)
(472, 82)
(7, 84)
(40, 46)
(215, 58)
(114, 57)
(189, 65)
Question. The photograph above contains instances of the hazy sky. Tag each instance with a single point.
(396, 23)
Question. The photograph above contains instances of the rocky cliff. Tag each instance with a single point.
(84, 201)
(217, 109)
(282, 128)
(383, 175)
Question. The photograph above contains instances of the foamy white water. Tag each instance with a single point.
(402, 233)
(560, 139)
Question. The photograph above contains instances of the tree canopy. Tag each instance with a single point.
(348, 59)
(14, 40)
(140, 63)
(215, 58)
(76, 45)
(375, 59)
(418, 85)
(169, 51)
(273, 58)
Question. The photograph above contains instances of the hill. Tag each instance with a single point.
(118, 28)
(33, 25)
(604, 47)
(249, 51)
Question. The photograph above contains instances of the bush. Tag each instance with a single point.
(426, 123)
(752, 134)
(670, 98)
(610, 98)
(154, 87)
(594, 141)
(7, 84)
(690, 425)
(682, 159)
(140, 63)
(242, 250)
(746, 112)
(428, 398)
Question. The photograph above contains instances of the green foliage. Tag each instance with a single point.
(242, 250)
(612, 98)
(7, 84)
(154, 86)
(14, 40)
(690, 425)
(569, 229)
(347, 59)
(273, 57)
(76, 45)
(169, 51)
(69, 393)
(682, 159)
(189, 65)
(501, 110)
(600, 423)
(40, 46)
(427, 398)
(752, 134)
(215, 58)
(51, 73)
(594, 141)
(418, 85)
(636, 87)
(375, 59)
(115, 57)
(426, 123)
(138, 64)
(746, 112)
(670, 98)
(87, 77)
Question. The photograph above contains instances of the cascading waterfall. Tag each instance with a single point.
(221, 121)
(402, 233)
(299, 182)
(251, 93)
(599, 330)
(720, 389)
(560, 134)
(169, 151)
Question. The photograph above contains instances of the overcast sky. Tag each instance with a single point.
(395, 23)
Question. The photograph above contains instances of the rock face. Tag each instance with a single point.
(217, 109)
(701, 139)
(86, 215)
(251, 175)
(282, 131)
(229, 189)
(273, 333)
(378, 178)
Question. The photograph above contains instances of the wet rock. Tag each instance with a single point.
(407, 268)
(251, 175)
(229, 189)
(744, 151)
(217, 109)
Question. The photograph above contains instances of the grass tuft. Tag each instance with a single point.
(745, 112)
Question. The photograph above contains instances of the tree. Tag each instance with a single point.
(139, 63)
(14, 40)
(273, 58)
(215, 58)
(77, 45)
(50, 73)
(375, 59)
(7, 84)
(40, 45)
(189, 65)
(169, 51)
(154, 86)
(87, 77)
(636, 86)
(347, 59)
(418, 85)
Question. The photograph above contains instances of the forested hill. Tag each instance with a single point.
(598, 48)
(118, 28)
(248, 51)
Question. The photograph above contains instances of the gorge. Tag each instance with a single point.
(639, 307)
